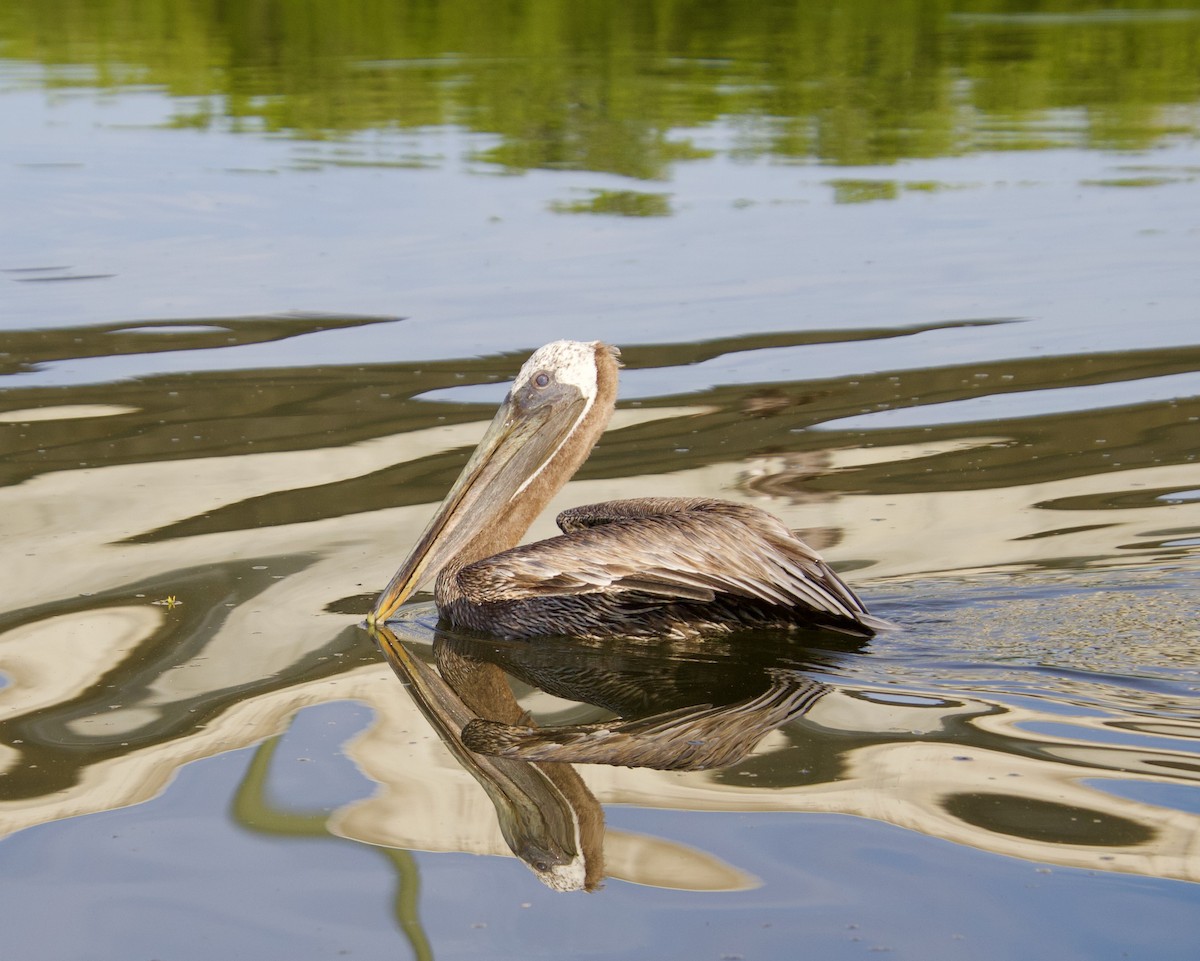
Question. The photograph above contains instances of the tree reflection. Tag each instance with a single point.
(607, 86)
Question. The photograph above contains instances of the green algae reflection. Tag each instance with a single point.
(605, 85)
(620, 203)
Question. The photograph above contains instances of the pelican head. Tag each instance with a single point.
(547, 424)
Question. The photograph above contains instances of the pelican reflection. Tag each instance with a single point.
(664, 707)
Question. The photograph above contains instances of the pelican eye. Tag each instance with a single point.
(541, 381)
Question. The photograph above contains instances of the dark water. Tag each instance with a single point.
(919, 278)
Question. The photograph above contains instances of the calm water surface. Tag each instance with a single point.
(920, 279)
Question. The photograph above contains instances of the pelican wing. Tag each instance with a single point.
(699, 551)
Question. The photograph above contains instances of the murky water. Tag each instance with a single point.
(920, 279)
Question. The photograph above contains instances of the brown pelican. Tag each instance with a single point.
(660, 566)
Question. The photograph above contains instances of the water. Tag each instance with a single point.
(919, 279)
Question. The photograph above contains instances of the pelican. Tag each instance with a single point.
(655, 566)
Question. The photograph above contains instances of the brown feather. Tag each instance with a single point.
(638, 566)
